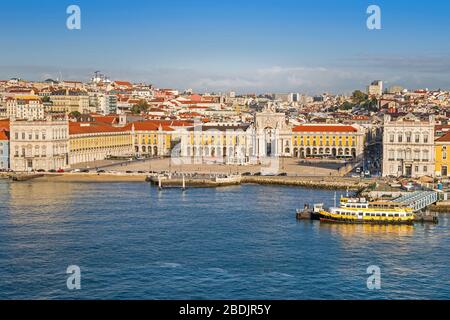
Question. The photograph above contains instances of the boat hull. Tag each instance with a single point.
(333, 218)
(378, 222)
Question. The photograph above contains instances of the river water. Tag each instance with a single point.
(132, 242)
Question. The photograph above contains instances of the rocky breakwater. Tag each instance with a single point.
(328, 183)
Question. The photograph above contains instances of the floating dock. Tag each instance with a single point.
(183, 182)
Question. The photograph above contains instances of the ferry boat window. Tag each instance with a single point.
(396, 214)
(383, 215)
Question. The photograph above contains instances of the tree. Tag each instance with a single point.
(141, 106)
(45, 99)
(358, 97)
(346, 106)
(75, 114)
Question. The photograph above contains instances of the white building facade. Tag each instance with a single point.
(408, 146)
(273, 135)
(28, 108)
(39, 145)
(268, 137)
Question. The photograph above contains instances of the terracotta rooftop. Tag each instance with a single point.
(4, 124)
(444, 138)
(324, 128)
(3, 135)
(83, 128)
(151, 125)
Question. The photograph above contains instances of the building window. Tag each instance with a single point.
(408, 137)
(408, 154)
(391, 138)
(425, 168)
(444, 153)
(391, 155)
(416, 168)
(400, 138)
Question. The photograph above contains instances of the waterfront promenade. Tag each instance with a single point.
(290, 166)
(295, 173)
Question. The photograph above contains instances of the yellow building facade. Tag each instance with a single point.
(327, 141)
(152, 139)
(93, 142)
(442, 156)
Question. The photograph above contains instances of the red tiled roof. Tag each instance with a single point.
(81, 128)
(123, 83)
(360, 118)
(444, 138)
(4, 124)
(104, 119)
(324, 128)
(3, 135)
(151, 125)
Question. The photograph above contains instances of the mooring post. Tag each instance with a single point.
(184, 184)
(159, 183)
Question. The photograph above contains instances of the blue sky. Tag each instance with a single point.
(242, 45)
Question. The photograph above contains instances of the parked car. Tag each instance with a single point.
(101, 171)
(60, 170)
(246, 174)
(40, 170)
(128, 171)
(85, 170)
(257, 174)
(52, 170)
(283, 174)
(76, 170)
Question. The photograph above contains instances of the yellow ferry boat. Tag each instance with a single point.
(362, 211)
